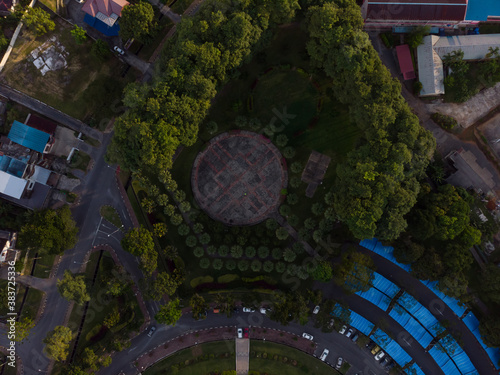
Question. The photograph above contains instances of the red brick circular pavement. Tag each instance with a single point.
(237, 179)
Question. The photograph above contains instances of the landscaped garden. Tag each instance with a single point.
(201, 359)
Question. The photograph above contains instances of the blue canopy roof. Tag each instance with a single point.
(361, 324)
(479, 10)
(101, 26)
(385, 286)
(28, 137)
(391, 347)
(376, 297)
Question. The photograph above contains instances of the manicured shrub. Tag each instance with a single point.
(217, 264)
(223, 250)
(180, 195)
(183, 229)
(292, 199)
(445, 121)
(310, 223)
(212, 127)
(191, 241)
(295, 182)
(293, 220)
(281, 234)
(198, 228)
(298, 248)
(296, 167)
(211, 250)
(230, 264)
(281, 140)
(289, 152)
(198, 252)
(204, 263)
(243, 265)
(176, 219)
(268, 266)
(204, 238)
(285, 210)
(241, 122)
(236, 251)
(272, 224)
(250, 251)
(280, 267)
(255, 124)
(277, 253)
(289, 255)
(263, 252)
(317, 208)
(185, 206)
(256, 265)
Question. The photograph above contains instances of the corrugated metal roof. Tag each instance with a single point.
(42, 124)
(11, 185)
(41, 175)
(475, 47)
(430, 68)
(405, 62)
(480, 10)
(420, 10)
(28, 137)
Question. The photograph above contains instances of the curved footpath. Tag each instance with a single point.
(437, 307)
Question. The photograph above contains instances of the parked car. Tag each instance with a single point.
(390, 365)
(379, 355)
(240, 333)
(343, 329)
(324, 354)
(332, 321)
(355, 337)
(151, 331)
(263, 310)
(316, 310)
(118, 50)
(245, 332)
(236, 310)
(307, 336)
(216, 310)
(349, 332)
(248, 309)
(385, 361)
(375, 349)
(370, 345)
(338, 365)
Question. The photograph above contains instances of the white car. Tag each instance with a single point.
(307, 336)
(343, 329)
(324, 354)
(379, 355)
(340, 360)
(263, 310)
(316, 310)
(349, 332)
(240, 333)
(248, 309)
(151, 331)
(118, 50)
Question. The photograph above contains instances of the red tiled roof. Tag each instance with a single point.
(405, 62)
(5, 5)
(416, 10)
(106, 7)
(42, 124)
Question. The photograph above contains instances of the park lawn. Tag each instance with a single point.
(32, 303)
(44, 266)
(19, 296)
(110, 214)
(306, 364)
(85, 89)
(203, 367)
(80, 160)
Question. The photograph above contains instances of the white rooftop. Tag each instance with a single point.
(11, 185)
(41, 175)
(433, 49)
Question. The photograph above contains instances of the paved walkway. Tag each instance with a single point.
(242, 356)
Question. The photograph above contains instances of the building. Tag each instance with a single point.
(103, 15)
(29, 137)
(7, 244)
(7, 6)
(405, 61)
(431, 52)
(443, 13)
(482, 11)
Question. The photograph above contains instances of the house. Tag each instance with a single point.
(414, 12)
(405, 61)
(103, 15)
(29, 137)
(7, 244)
(431, 52)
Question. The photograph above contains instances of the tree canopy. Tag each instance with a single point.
(49, 231)
(57, 343)
(378, 183)
(38, 21)
(169, 313)
(139, 242)
(73, 288)
(136, 21)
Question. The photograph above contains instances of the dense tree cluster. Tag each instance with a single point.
(378, 184)
(73, 288)
(205, 52)
(439, 237)
(139, 242)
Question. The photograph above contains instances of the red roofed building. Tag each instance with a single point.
(414, 12)
(405, 62)
(42, 124)
(107, 11)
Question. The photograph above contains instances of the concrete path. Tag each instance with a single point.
(136, 62)
(48, 111)
(293, 233)
(242, 356)
(174, 17)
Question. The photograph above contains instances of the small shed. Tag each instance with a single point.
(405, 61)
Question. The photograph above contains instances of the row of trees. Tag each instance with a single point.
(378, 183)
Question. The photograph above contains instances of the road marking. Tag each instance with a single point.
(135, 347)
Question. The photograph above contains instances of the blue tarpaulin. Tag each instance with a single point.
(411, 325)
(472, 323)
(361, 324)
(101, 26)
(420, 313)
(391, 347)
(385, 251)
(385, 286)
(376, 297)
(451, 302)
(479, 10)
(27, 136)
(414, 370)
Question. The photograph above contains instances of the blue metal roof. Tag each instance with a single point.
(101, 26)
(479, 10)
(376, 297)
(391, 347)
(28, 137)
(12, 166)
(361, 324)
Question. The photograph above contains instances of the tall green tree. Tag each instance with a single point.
(199, 306)
(169, 313)
(57, 343)
(79, 34)
(139, 242)
(136, 21)
(49, 232)
(38, 21)
(73, 288)
(23, 328)
(355, 272)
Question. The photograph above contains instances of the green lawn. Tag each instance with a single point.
(218, 363)
(306, 364)
(86, 89)
(80, 160)
(31, 304)
(110, 214)
(44, 266)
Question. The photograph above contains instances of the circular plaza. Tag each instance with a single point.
(238, 177)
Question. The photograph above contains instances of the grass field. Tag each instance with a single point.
(110, 214)
(31, 304)
(44, 266)
(80, 160)
(87, 89)
(217, 349)
(306, 364)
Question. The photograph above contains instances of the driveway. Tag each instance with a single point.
(242, 356)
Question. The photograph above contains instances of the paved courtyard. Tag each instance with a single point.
(237, 179)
